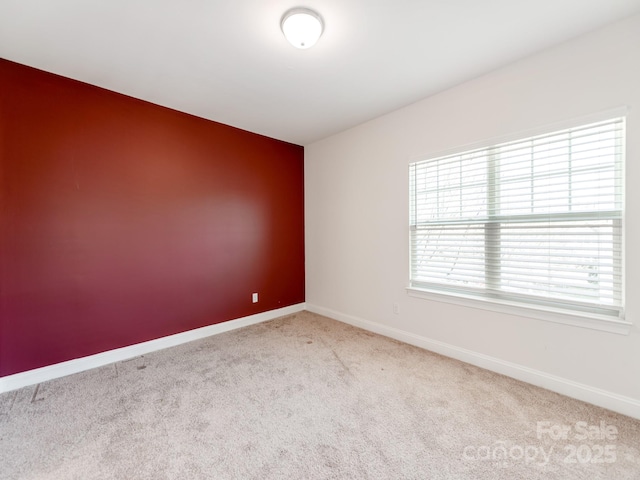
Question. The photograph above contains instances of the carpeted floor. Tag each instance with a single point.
(306, 397)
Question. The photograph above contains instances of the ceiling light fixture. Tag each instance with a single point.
(302, 27)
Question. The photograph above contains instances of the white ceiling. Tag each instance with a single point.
(226, 60)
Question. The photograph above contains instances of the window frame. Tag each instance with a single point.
(553, 313)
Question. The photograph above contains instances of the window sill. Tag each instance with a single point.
(577, 319)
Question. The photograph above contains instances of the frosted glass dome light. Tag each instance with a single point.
(302, 27)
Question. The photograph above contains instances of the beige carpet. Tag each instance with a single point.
(305, 397)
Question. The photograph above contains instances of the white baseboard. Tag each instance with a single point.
(596, 396)
(38, 375)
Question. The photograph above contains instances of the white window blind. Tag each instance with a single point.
(535, 221)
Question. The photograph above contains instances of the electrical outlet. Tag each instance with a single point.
(396, 308)
(254, 298)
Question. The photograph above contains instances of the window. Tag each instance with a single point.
(536, 221)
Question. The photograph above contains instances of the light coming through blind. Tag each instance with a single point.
(537, 220)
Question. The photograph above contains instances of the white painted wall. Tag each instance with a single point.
(357, 214)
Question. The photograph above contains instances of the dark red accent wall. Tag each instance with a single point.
(122, 221)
